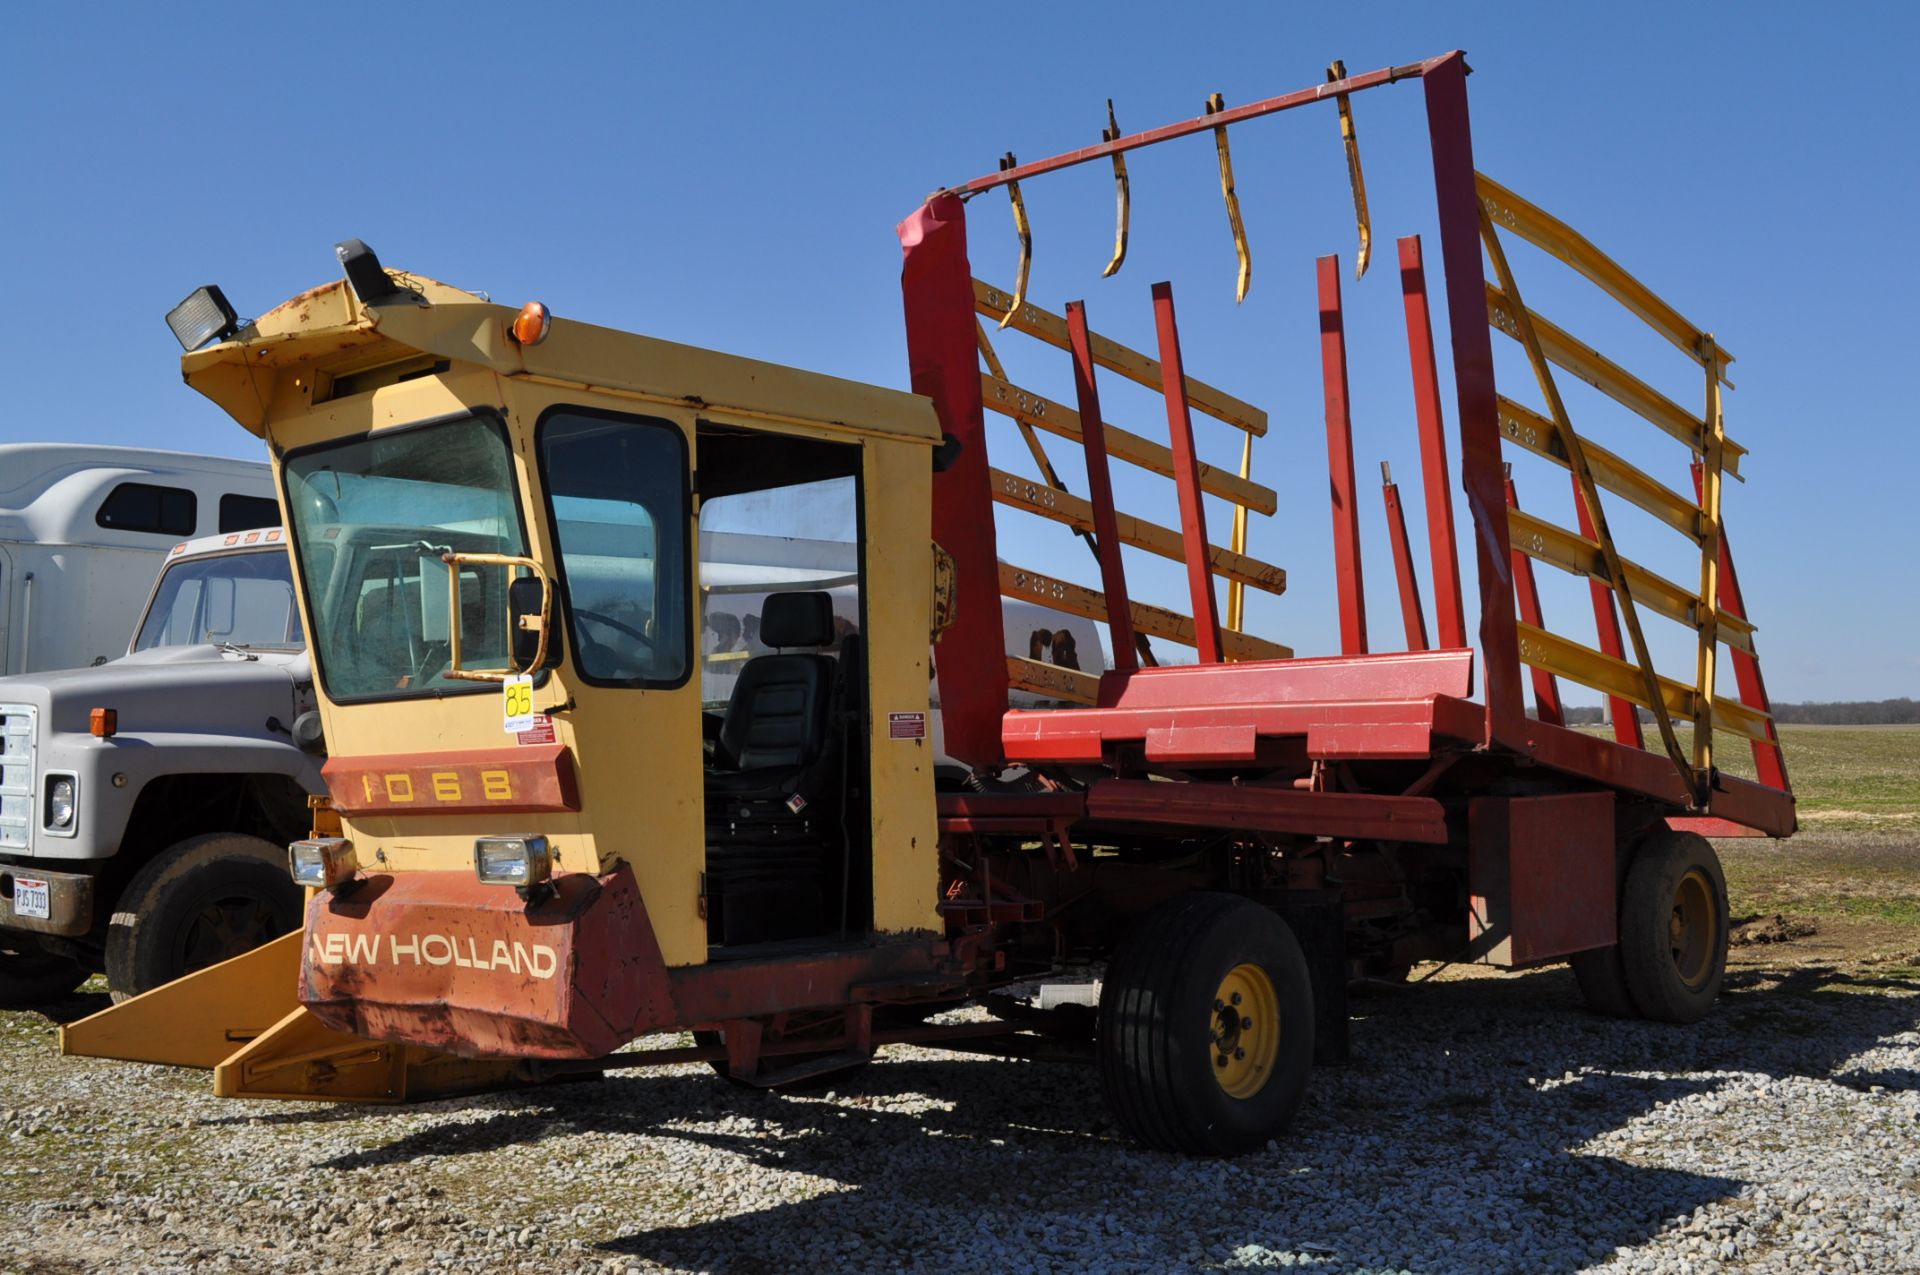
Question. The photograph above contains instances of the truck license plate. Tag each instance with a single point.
(30, 898)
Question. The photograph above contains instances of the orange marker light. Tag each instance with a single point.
(531, 324)
(104, 723)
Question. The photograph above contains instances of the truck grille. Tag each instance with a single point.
(16, 776)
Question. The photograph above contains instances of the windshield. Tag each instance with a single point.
(371, 518)
(242, 598)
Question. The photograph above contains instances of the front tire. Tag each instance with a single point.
(199, 902)
(1205, 1033)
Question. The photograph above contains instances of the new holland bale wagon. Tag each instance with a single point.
(540, 848)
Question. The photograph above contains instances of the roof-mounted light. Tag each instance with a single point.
(530, 326)
(368, 278)
(205, 316)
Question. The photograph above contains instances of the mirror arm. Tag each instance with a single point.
(543, 625)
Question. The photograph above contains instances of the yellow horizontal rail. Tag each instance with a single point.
(1604, 673)
(1618, 384)
(1062, 507)
(1010, 400)
(1052, 681)
(1113, 356)
(1539, 435)
(1577, 555)
(1075, 599)
(1545, 231)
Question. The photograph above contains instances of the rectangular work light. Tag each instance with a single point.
(204, 316)
(515, 861)
(322, 863)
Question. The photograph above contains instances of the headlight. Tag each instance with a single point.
(517, 861)
(60, 803)
(323, 863)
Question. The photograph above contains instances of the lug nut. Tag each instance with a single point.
(1239, 1053)
(1246, 1024)
(1236, 998)
(1221, 1060)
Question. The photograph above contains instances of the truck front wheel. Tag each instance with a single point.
(199, 902)
(1205, 1032)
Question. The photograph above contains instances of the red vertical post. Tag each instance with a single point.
(1346, 510)
(1606, 624)
(1411, 613)
(1770, 763)
(1106, 531)
(936, 284)
(1186, 477)
(1546, 691)
(1450, 613)
(1458, 203)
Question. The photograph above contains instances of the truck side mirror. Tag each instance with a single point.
(529, 618)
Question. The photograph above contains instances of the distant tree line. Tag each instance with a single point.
(1884, 712)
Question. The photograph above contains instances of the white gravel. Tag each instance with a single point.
(1487, 1124)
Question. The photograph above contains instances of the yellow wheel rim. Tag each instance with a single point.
(1693, 933)
(1244, 1031)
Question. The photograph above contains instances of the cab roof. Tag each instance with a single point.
(228, 542)
(329, 326)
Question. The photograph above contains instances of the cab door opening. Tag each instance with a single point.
(783, 690)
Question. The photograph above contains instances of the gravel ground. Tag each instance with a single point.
(1487, 1124)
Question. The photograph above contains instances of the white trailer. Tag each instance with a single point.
(84, 529)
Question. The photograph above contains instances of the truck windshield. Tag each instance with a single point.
(371, 517)
(242, 598)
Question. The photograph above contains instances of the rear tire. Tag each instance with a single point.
(1205, 1033)
(199, 902)
(31, 976)
(1673, 927)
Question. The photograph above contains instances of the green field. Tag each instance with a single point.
(1854, 867)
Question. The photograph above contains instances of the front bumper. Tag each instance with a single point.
(69, 901)
(440, 960)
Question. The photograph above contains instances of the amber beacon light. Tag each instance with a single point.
(531, 324)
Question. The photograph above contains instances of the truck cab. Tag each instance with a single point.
(144, 802)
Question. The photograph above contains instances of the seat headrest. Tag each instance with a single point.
(797, 619)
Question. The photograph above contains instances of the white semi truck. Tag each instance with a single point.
(83, 529)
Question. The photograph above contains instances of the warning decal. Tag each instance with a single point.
(906, 725)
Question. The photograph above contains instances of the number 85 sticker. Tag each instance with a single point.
(516, 704)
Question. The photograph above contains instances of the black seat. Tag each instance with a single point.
(778, 720)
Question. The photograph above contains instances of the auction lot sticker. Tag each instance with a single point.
(30, 898)
(516, 704)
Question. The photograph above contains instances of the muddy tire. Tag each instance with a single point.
(31, 976)
(1673, 927)
(1205, 1033)
(201, 901)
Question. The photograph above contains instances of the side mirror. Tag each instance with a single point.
(536, 641)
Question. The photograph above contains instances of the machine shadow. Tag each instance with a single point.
(1477, 1100)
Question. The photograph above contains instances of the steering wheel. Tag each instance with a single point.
(616, 656)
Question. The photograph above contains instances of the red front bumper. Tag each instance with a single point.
(438, 959)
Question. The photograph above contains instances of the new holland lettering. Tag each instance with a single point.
(515, 957)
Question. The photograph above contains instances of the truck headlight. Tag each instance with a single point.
(515, 861)
(323, 863)
(60, 802)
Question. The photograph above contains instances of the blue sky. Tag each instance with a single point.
(731, 175)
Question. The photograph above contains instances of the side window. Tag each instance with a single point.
(803, 537)
(617, 492)
(247, 513)
(163, 511)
